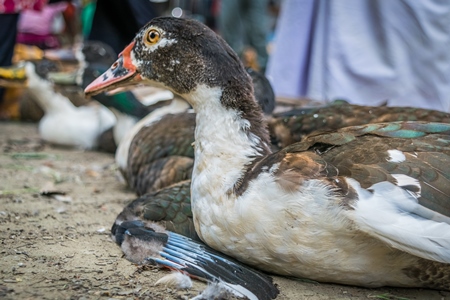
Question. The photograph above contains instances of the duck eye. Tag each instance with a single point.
(152, 37)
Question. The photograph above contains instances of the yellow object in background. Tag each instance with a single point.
(14, 79)
(13, 73)
(10, 107)
(26, 52)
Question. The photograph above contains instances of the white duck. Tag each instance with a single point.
(63, 123)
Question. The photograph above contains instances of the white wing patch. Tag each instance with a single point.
(396, 156)
(404, 180)
(394, 216)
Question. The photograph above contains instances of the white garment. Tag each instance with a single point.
(364, 51)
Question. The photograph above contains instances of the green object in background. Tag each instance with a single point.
(87, 15)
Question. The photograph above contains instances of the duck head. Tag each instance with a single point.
(177, 54)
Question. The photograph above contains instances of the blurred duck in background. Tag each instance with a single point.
(63, 123)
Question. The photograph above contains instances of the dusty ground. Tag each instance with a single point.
(59, 248)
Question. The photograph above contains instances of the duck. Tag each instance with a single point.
(162, 199)
(161, 153)
(124, 102)
(292, 126)
(83, 54)
(47, 62)
(21, 105)
(126, 107)
(65, 124)
(157, 152)
(364, 205)
(263, 90)
(125, 153)
(148, 168)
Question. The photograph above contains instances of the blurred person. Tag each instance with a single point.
(245, 23)
(9, 16)
(86, 17)
(41, 28)
(365, 51)
(115, 22)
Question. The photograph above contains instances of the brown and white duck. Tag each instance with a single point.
(161, 154)
(365, 205)
(291, 126)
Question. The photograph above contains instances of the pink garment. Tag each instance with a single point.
(40, 22)
(15, 6)
(47, 41)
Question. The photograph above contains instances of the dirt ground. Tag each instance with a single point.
(59, 247)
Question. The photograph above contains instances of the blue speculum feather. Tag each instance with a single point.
(431, 127)
(179, 253)
(404, 133)
(173, 258)
(165, 262)
(390, 127)
(403, 130)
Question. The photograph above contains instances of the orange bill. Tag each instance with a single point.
(122, 73)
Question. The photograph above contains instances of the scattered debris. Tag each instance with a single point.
(14, 145)
(28, 190)
(92, 173)
(33, 155)
(175, 279)
(49, 172)
(49, 190)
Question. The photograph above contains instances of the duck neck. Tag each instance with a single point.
(43, 92)
(230, 135)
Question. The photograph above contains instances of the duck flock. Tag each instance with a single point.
(231, 192)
